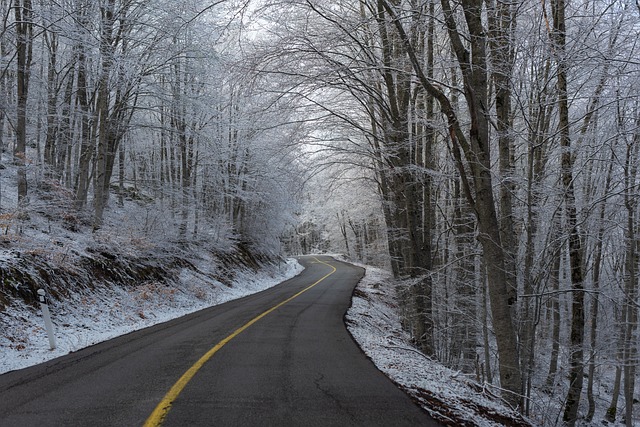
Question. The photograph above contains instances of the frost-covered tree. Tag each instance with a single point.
(491, 123)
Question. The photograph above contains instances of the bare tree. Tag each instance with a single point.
(23, 11)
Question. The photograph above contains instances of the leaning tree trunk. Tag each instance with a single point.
(475, 171)
(477, 154)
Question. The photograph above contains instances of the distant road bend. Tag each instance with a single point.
(281, 357)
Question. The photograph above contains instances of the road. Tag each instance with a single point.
(281, 357)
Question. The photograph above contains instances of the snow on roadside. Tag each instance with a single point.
(106, 313)
(449, 396)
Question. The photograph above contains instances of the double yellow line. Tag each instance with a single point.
(160, 412)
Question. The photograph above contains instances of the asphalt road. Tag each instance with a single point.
(294, 366)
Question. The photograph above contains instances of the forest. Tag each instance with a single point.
(486, 152)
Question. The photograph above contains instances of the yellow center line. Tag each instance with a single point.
(160, 412)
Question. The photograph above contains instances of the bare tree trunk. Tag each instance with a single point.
(114, 111)
(5, 77)
(24, 42)
(105, 131)
(186, 155)
(630, 352)
(121, 174)
(65, 133)
(52, 97)
(88, 120)
(612, 410)
(485, 325)
(5, 49)
(554, 278)
(595, 303)
(621, 321)
(424, 300)
(464, 328)
(530, 304)
(357, 242)
(576, 362)
(342, 223)
(501, 22)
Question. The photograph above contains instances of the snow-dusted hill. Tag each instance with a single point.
(85, 316)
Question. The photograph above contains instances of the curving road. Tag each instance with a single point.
(281, 357)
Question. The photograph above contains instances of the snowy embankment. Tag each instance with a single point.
(449, 396)
(86, 318)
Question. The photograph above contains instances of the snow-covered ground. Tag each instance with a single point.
(449, 396)
(109, 312)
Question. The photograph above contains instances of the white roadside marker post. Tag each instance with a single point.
(48, 325)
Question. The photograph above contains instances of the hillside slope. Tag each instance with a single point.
(104, 294)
